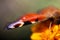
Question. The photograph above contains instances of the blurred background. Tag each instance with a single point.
(11, 10)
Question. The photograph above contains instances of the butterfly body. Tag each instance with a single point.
(49, 12)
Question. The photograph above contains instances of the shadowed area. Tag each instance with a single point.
(11, 10)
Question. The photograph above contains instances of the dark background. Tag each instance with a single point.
(11, 10)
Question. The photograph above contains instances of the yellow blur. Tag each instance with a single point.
(47, 34)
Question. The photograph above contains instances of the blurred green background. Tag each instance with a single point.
(11, 10)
